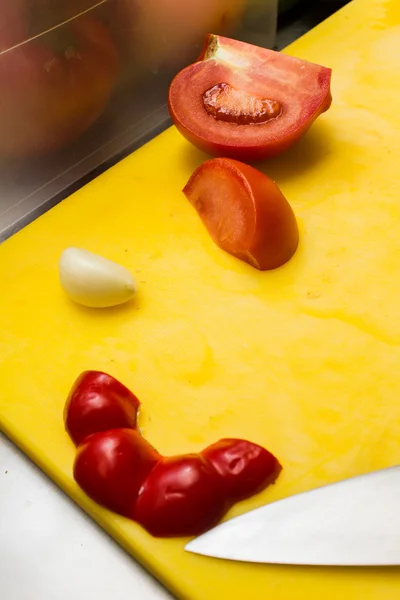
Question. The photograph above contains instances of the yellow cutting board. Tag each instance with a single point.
(304, 360)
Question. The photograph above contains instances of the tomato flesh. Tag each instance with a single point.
(224, 103)
(244, 211)
(297, 92)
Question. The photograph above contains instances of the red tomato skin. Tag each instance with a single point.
(247, 142)
(268, 234)
(49, 99)
(111, 467)
(245, 468)
(182, 496)
(98, 402)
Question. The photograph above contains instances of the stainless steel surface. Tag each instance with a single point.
(355, 522)
(50, 550)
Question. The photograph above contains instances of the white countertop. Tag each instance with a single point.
(50, 549)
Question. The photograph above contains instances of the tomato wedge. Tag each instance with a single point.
(244, 211)
(246, 102)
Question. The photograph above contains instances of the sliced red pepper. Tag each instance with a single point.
(98, 402)
(170, 496)
(182, 496)
(246, 102)
(244, 211)
(245, 468)
(112, 466)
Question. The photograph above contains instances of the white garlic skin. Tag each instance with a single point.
(94, 281)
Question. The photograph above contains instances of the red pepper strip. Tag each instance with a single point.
(98, 402)
(111, 467)
(169, 496)
(245, 468)
(182, 496)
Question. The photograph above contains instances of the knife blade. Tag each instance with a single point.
(354, 522)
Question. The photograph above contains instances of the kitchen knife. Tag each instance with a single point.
(352, 522)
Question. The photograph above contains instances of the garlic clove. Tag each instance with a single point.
(94, 281)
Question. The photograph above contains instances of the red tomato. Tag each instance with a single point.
(182, 496)
(245, 468)
(54, 87)
(98, 402)
(111, 467)
(244, 211)
(246, 102)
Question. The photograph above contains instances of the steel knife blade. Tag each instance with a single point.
(354, 522)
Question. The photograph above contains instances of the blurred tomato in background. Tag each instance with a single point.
(54, 85)
(170, 33)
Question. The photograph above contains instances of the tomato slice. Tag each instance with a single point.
(244, 211)
(246, 102)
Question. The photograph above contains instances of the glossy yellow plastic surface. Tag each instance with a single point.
(304, 360)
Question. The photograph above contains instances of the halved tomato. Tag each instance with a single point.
(246, 102)
(244, 211)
